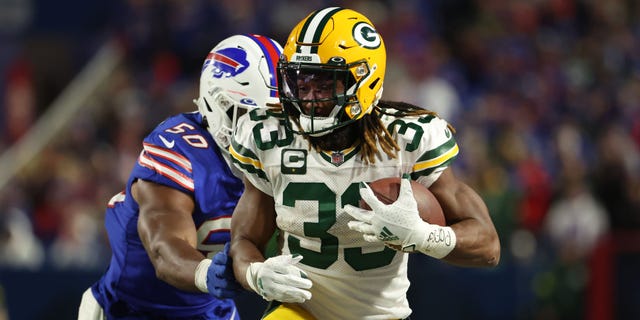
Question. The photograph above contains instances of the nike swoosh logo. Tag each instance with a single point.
(167, 143)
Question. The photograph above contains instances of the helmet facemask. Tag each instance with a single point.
(224, 112)
(334, 103)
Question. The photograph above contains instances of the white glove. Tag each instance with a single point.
(278, 278)
(400, 224)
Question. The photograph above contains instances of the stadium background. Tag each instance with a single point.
(545, 96)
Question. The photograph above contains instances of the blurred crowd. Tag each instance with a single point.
(545, 97)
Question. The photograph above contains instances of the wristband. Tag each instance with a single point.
(201, 275)
(439, 241)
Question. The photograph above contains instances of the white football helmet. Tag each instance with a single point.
(238, 74)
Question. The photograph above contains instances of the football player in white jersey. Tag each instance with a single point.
(306, 166)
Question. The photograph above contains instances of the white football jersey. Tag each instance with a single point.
(352, 278)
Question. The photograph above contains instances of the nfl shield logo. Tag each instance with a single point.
(337, 158)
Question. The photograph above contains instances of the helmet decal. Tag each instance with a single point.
(228, 62)
(313, 28)
(366, 35)
(248, 101)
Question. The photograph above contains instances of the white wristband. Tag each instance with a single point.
(201, 275)
(439, 241)
(251, 278)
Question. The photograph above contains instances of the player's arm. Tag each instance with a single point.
(477, 242)
(252, 224)
(169, 236)
(469, 240)
(168, 233)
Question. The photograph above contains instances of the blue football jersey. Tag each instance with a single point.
(179, 153)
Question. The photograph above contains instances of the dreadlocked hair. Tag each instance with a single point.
(374, 132)
(371, 132)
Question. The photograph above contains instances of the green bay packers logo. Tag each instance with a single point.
(366, 35)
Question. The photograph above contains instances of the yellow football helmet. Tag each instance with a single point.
(338, 44)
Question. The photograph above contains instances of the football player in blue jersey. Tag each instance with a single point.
(306, 167)
(168, 228)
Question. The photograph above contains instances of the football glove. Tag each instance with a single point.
(279, 279)
(217, 274)
(399, 224)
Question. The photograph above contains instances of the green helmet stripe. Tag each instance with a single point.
(312, 29)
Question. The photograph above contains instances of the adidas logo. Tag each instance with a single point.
(387, 235)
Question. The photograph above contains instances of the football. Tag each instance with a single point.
(387, 189)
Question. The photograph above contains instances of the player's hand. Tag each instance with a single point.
(391, 223)
(399, 223)
(279, 279)
(220, 280)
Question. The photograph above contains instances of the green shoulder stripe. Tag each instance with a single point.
(436, 158)
(246, 159)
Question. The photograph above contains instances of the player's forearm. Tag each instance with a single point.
(175, 263)
(243, 252)
(477, 245)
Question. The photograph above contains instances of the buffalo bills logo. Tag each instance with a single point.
(228, 62)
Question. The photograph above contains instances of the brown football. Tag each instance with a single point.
(387, 189)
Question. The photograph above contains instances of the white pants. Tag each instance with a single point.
(90, 309)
